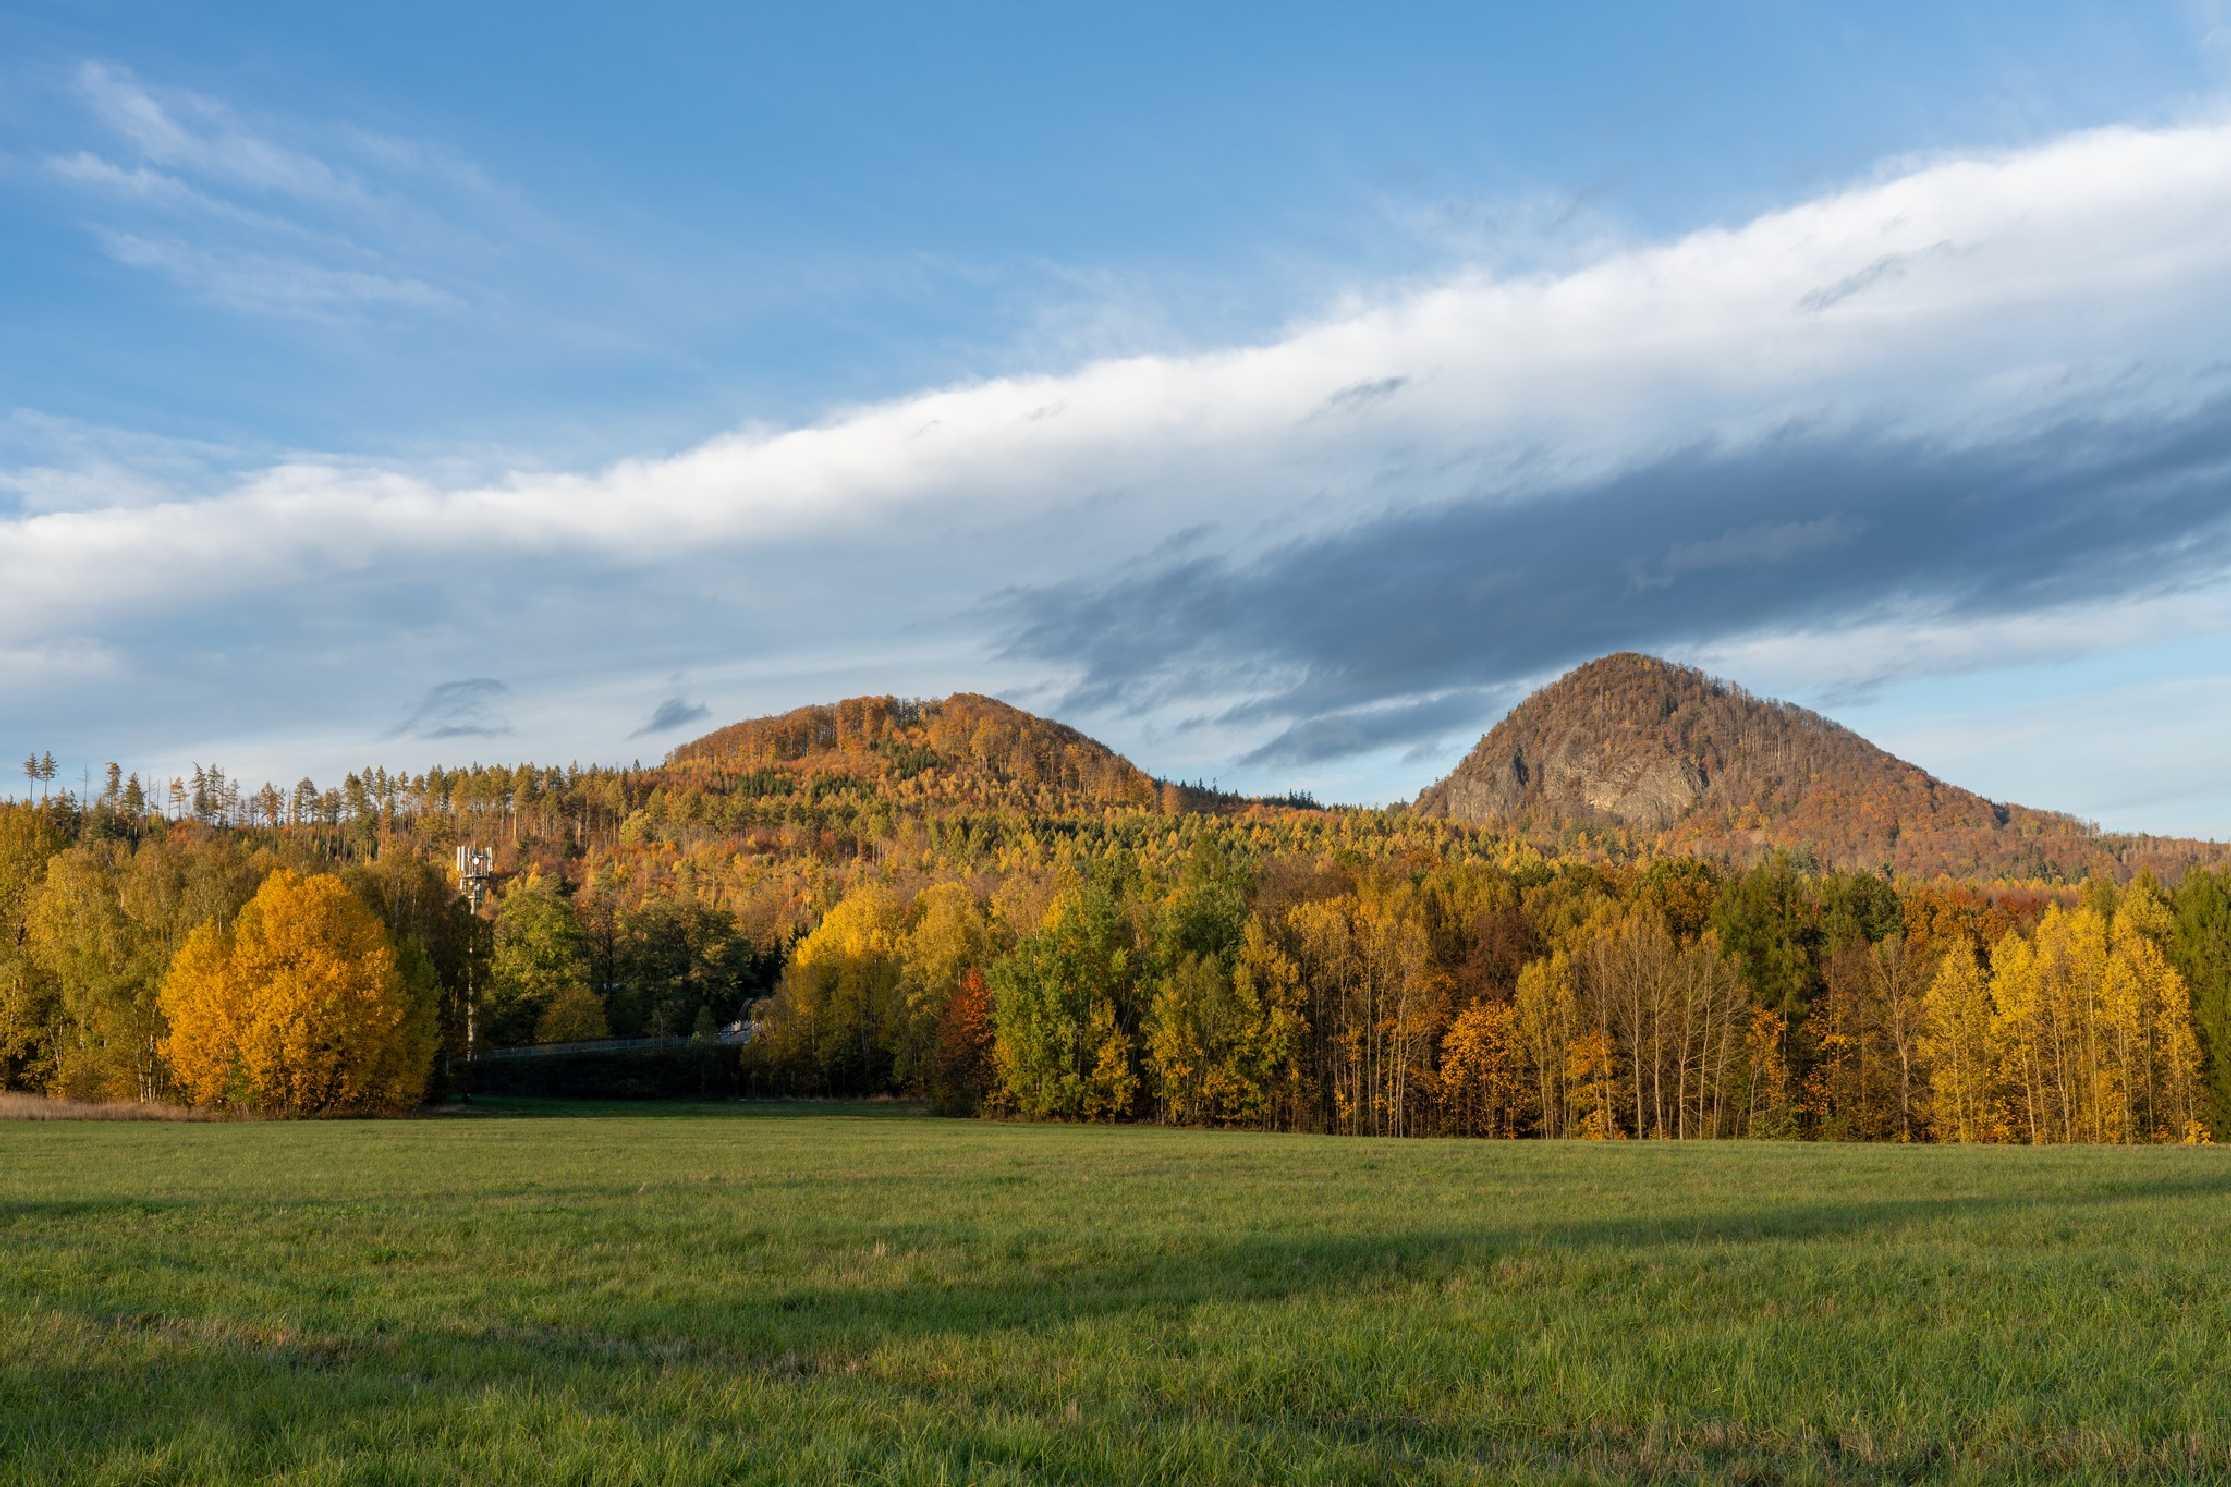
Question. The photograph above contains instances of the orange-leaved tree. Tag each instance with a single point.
(298, 1008)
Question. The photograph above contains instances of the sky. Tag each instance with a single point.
(1278, 399)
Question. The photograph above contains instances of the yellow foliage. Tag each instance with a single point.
(2081, 1032)
(297, 1009)
(841, 990)
(1113, 1085)
(1546, 1015)
(1483, 1083)
(1591, 1071)
(1956, 1043)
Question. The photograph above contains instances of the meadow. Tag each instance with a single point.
(699, 1294)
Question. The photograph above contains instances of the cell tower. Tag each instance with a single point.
(476, 870)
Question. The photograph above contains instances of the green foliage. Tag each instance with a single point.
(1063, 1001)
(102, 927)
(539, 957)
(2200, 947)
(29, 1011)
(1226, 1041)
(1766, 918)
(439, 940)
(672, 958)
(1205, 913)
(574, 1015)
(1857, 909)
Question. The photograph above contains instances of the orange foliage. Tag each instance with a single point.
(297, 1009)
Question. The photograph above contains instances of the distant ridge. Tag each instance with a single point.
(1688, 762)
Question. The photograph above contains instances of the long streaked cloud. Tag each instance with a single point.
(341, 225)
(1969, 389)
(1508, 385)
(271, 285)
(327, 223)
(49, 463)
(199, 133)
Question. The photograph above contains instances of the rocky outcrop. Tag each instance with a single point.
(1692, 763)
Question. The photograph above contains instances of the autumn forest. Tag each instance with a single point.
(959, 903)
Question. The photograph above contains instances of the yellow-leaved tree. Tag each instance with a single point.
(298, 1008)
(839, 995)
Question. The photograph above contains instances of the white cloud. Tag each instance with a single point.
(137, 182)
(2024, 281)
(283, 219)
(268, 285)
(50, 463)
(2211, 20)
(198, 133)
(1849, 659)
(144, 186)
(300, 223)
(2078, 253)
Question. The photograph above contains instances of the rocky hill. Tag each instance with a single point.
(1687, 762)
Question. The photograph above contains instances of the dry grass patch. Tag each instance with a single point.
(39, 1107)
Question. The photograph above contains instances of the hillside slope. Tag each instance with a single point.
(1689, 762)
(963, 748)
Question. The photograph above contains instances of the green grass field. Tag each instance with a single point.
(792, 1295)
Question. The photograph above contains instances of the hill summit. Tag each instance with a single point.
(1689, 762)
(965, 747)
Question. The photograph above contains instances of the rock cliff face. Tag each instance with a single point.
(1676, 758)
(1627, 740)
(1567, 781)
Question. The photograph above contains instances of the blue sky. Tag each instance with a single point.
(410, 385)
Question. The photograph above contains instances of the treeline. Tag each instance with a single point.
(959, 929)
(1671, 1000)
(98, 926)
(827, 781)
(353, 816)
(93, 930)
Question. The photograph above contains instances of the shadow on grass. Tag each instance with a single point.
(1271, 1268)
(538, 1105)
(235, 1369)
(121, 1378)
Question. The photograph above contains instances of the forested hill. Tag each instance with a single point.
(1686, 762)
(957, 901)
(964, 749)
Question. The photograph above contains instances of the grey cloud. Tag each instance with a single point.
(1363, 639)
(1355, 396)
(464, 708)
(1339, 735)
(1889, 267)
(673, 713)
(1766, 544)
